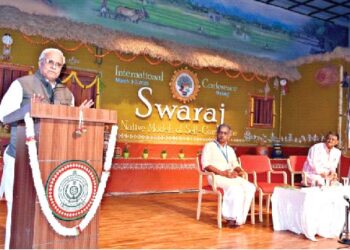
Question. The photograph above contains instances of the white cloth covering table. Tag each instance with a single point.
(311, 211)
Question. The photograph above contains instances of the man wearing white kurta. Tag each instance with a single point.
(322, 161)
(219, 158)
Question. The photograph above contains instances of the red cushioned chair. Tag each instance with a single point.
(295, 166)
(260, 164)
(208, 189)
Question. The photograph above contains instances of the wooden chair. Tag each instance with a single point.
(213, 189)
(208, 189)
(260, 164)
(295, 166)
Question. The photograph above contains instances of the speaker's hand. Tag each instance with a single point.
(86, 104)
(37, 98)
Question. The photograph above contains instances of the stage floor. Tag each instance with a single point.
(168, 221)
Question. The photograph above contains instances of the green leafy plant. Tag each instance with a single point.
(126, 148)
(126, 153)
(163, 154)
(145, 153)
(181, 154)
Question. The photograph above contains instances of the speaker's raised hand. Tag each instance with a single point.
(86, 104)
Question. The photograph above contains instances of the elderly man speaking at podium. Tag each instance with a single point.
(43, 86)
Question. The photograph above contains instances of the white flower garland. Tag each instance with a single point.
(33, 157)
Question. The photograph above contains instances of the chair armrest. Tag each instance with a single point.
(292, 173)
(213, 178)
(305, 182)
(255, 179)
(201, 174)
(205, 173)
(244, 175)
(280, 172)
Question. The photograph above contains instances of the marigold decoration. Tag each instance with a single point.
(97, 81)
(184, 85)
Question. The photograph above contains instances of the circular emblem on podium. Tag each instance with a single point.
(184, 85)
(71, 189)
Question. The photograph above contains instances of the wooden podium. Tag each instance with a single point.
(57, 142)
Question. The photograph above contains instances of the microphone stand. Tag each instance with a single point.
(344, 236)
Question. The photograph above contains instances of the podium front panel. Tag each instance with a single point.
(57, 143)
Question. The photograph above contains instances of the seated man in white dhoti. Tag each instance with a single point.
(322, 161)
(220, 158)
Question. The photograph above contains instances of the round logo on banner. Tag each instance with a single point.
(71, 189)
(184, 85)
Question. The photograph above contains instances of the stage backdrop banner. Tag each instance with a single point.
(167, 105)
(158, 102)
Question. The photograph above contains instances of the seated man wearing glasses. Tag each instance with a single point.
(219, 158)
(322, 161)
(43, 86)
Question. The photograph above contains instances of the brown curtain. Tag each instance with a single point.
(9, 73)
(263, 111)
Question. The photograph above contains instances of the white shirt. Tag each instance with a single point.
(221, 157)
(320, 159)
(13, 98)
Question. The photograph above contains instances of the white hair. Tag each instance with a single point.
(49, 50)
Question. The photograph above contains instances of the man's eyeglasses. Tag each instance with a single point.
(331, 139)
(223, 132)
(52, 63)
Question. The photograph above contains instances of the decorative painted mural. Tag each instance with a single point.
(243, 26)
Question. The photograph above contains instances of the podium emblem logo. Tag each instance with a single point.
(71, 189)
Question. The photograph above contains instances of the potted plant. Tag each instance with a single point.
(163, 154)
(145, 153)
(181, 154)
(126, 151)
(117, 152)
